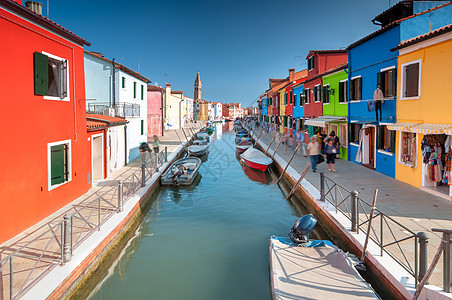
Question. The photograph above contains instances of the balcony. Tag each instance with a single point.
(121, 110)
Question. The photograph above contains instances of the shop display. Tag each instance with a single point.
(437, 156)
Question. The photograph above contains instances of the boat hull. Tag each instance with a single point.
(253, 165)
(241, 149)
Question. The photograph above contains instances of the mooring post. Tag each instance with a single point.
(288, 163)
(306, 169)
(277, 146)
(322, 186)
(355, 210)
(120, 196)
(423, 243)
(143, 174)
(371, 216)
(271, 142)
(166, 154)
(67, 247)
(259, 135)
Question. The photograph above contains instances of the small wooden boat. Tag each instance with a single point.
(243, 146)
(256, 159)
(181, 172)
(301, 268)
(200, 142)
(198, 150)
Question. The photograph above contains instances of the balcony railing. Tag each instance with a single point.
(122, 110)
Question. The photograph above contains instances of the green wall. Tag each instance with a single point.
(334, 108)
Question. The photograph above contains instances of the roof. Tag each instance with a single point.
(45, 22)
(332, 70)
(96, 122)
(392, 25)
(326, 51)
(398, 8)
(424, 37)
(155, 88)
(177, 92)
(120, 67)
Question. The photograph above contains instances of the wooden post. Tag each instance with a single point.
(288, 163)
(372, 209)
(306, 169)
(259, 135)
(268, 148)
(180, 139)
(277, 146)
(186, 138)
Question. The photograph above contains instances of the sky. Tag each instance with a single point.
(235, 45)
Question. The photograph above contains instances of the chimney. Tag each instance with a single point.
(291, 74)
(34, 6)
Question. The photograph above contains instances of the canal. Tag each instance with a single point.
(208, 241)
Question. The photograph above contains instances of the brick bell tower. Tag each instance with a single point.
(197, 95)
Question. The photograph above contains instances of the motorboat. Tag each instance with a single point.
(181, 172)
(243, 146)
(209, 130)
(198, 150)
(200, 142)
(203, 136)
(256, 159)
(304, 268)
(243, 138)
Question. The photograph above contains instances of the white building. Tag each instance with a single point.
(211, 111)
(177, 108)
(189, 108)
(218, 110)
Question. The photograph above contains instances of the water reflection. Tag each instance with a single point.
(262, 177)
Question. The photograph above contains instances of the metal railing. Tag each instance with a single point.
(122, 110)
(54, 243)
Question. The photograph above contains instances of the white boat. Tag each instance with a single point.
(256, 159)
(198, 150)
(181, 172)
(243, 146)
(313, 269)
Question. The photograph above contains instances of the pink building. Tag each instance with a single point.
(155, 110)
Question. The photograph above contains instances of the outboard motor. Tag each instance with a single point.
(299, 233)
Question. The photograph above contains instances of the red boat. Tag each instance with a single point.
(256, 159)
(243, 146)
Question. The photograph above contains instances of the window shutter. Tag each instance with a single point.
(360, 88)
(142, 127)
(294, 99)
(380, 137)
(41, 75)
(380, 81)
(341, 91)
(63, 79)
(393, 140)
(57, 159)
(142, 93)
(351, 87)
(394, 81)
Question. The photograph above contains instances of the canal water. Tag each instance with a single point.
(209, 241)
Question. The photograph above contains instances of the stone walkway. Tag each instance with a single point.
(413, 208)
(39, 248)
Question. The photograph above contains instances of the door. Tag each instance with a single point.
(369, 147)
(97, 157)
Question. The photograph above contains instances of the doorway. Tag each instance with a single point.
(97, 156)
(369, 148)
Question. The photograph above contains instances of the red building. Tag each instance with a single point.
(46, 156)
(155, 110)
(319, 61)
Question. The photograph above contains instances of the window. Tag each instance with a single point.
(302, 98)
(123, 82)
(356, 89)
(317, 97)
(326, 94)
(343, 91)
(294, 99)
(354, 133)
(311, 63)
(51, 76)
(307, 96)
(385, 139)
(407, 153)
(59, 158)
(285, 98)
(343, 135)
(285, 121)
(134, 90)
(142, 92)
(387, 81)
(290, 97)
(411, 78)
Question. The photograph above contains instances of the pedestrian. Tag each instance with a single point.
(299, 135)
(285, 138)
(330, 154)
(291, 142)
(337, 144)
(322, 137)
(313, 153)
(156, 145)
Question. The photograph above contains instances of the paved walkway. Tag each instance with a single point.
(41, 245)
(413, 208)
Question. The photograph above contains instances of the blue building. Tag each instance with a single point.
(264, 108)
(298, 105)
(371, 64)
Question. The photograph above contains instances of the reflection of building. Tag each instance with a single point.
(217, 110)
(235, 110)
(202, 108)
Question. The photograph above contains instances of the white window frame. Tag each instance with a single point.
(67, 98)
(351, 79)
(49, 164)
(328, 87)
(343, 132)
(314, 89)
(399, 154)
(403, 80)
(346, 92)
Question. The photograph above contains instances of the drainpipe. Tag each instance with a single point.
(349, 72)
(113, 90)
(163, 121)
(125, 144)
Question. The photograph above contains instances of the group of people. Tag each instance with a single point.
(321, 144)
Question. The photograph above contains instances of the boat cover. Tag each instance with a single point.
(319, 272)
(256, 156)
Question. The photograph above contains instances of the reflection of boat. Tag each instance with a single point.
(198, 150)
(243, 146)
(301, 268)
(256, 159)
(182, 172)
(262, 177)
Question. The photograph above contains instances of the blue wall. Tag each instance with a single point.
(264, 107)
(366, 60)
(298, 112)
(438, 18)
(385, 163)
(98, 80)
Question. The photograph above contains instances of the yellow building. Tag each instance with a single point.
(202, 110)
(282, 109)
(424, 112)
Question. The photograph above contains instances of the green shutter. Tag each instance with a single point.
(142, 92)
(134, 90)
(41, 75)
(57, 164)
(142, 127)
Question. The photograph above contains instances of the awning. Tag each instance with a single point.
(427, 128)
(448, 131)
(321, 121)
(402, 126)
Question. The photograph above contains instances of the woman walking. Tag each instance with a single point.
(330, 154)
(313, 153)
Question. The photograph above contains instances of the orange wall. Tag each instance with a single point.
(30, 123)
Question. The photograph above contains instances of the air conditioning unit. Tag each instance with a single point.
(109, 112)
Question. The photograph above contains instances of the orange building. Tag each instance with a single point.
(45, 155)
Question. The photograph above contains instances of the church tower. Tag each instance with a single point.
(197, 95)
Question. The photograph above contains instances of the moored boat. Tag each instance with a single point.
(301, 268)
(198, 150)
(181, 172)
(243, 146)
(256, 159)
